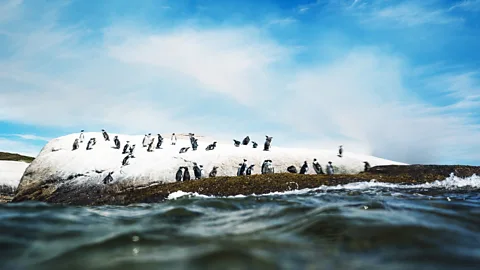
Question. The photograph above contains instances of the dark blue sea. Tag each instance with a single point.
(357, 226)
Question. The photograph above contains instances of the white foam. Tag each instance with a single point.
(58, 160)
(11, 172)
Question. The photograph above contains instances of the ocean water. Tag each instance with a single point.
(357, 226)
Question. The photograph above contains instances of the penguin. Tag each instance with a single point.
(117, 142)
(269, 167)
(174, 139)
(90, 144)
(125, 160)
(236, 143)
(250, 169)
(268, 141)
(186, 174)
(254, 144)
(125, 147)
(243, 167)
(82, 136)
(211, 146)
(196, 171)
(330, 170)
(105, 135)
(150, 146)
(159, 141)
(202, 171)
(340, 151)
(292, 169)
(108, 179)
(131, 150)
(317, 167)
(192, 138)
(183, 150)
(246, 140)
(264, 167)
(94, 141)
(304, 168)
(144, 141)
(367, 166)
(75, 145)
(179, 174)
(213, 172)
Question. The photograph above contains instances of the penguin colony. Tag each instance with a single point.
(183, 173)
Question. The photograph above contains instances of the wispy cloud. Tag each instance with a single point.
(467, 5)
(283, 21)
(18, 147)
(32, 137)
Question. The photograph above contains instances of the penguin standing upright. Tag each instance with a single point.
(236, 143)
(202, 171)
(150, 146)
(250, 169)
(125, 148)
(317, 167)
(340, 151)
(246, 140)
(179, 174)
(82, 136)
(254, 144)
(108, 179)
(90, 144)
(243, 167)
(131, 150)
(125, 160)
(75, 145)
(330, 169)
(105, 135)
(159, 141)
(268, 142)
(117, 142)
(213, 172)
(196, 171)
(367, 166)
(186, 174)
(144, 141)
(304, 168)
(194, 144)
(174, 139)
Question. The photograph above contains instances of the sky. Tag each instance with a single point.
(395, 79)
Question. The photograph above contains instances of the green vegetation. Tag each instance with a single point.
(15, 157)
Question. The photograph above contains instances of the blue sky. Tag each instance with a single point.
(396, 79)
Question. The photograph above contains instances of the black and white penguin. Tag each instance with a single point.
(236, 143)
(94, 141)
(117, 142)
(340, 151)
(367, 166)
(105, 135)
(243, 167)
(317, 167)
(202, 171)
(196, 171)
(186, 174)
(213, 172)
(90, 144)
(292, 169)
(254, 144)
(192, 138)
(330, 169)
(125, 147)
(174, 139)
(304, 168)
(183, 150)
(145, 140)
(126, 159)
(179, 174)
(211, 146)
(159, 141)
(268, 142)
(250, 169)
(150, 146)
(82, 136)
(108, 179)
(267, 167)
(131, 150)
(246, 140)
(75, 145)
(264, 167)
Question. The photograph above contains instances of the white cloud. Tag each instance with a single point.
(13, 146)
(283, 21)
(413, 14)
(468, 5)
